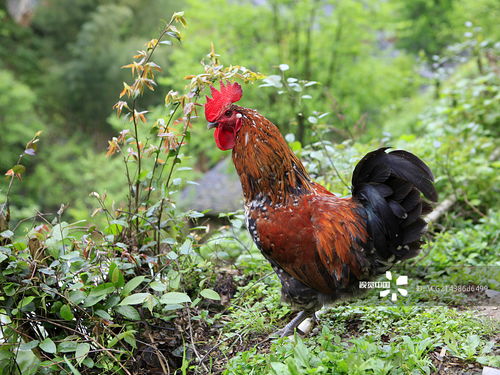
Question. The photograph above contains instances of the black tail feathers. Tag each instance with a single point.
(389, 186)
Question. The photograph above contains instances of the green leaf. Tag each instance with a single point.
(25, 302)
(81, 352)
(115, 275)
(135, 299)
(174, 298)
(187, 247)
(102, 290)
(89, 362)
(132, 284)
(71, 367)
(10, 289)
(29, 345)
(128, 312)
(103, 314)
(130, 339)
(77, 296)
(66, 313)
(210, 294)
(67, 346)
(158, 286)
(92, 300)
(48, 346)
(7, 234)
(60, 231)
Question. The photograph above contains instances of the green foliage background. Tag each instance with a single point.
(62, 72)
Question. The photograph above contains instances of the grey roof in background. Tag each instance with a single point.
(219, 190)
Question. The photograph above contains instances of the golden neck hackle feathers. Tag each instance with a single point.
(266, 165)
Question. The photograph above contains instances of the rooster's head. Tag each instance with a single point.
(222, 115)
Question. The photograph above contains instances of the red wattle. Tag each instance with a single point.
(224, 138)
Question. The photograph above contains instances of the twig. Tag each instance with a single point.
(334, 167)
(159, 354)
(192, 341)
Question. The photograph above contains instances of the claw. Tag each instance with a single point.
(289, 329)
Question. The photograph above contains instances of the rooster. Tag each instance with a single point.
(320, 246)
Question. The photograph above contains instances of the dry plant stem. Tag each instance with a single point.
(170, 172)
(174, 111)
(161, 358)
(105, 210)
(334, 167)
(136, 131)
(193, 343)
(11, 182)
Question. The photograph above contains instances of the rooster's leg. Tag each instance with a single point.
(294, 323)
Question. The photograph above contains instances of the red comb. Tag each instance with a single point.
(229, 93)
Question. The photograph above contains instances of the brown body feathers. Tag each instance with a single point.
(320, 245)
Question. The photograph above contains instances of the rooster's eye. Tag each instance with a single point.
(228, 113)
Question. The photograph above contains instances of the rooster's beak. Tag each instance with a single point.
(212, 125)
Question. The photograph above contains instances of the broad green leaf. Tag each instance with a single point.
(81, 352)
(66, 313)
(132, 284)
(77, 296)
(67, 346)
(29, 345)
(115, 275)
(174, 298)
(117, 278)
(130, 339)
(158, 286)
(210, 294)
(48, 346)
(103, 314)
(60, 231)
(134, 299)
(102, 290)
(128, 312)
(187, 247)
(92, 300)
(89, 362)
(25, 302)
(279, 368)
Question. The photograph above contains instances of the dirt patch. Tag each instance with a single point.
(164, 345)
(226, 286)
(353, 327)
(448, 365)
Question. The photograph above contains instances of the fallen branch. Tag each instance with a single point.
(442, 208)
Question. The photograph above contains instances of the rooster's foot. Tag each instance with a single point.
(289, 329)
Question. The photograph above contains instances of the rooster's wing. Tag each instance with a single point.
(319, 240)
